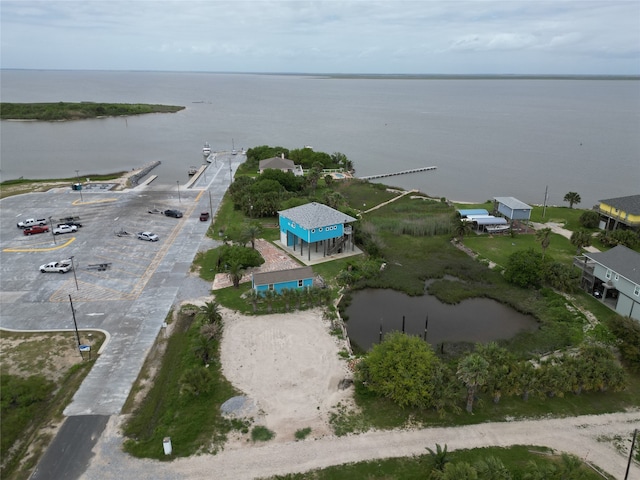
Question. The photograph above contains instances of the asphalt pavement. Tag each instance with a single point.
(122, 285)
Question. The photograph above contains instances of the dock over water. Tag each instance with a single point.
(402, 172)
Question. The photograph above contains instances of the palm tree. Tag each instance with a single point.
(288, 296)
(492, 468)
(439, 456)
(252, 231)
(253, 297)
(572, 198)
(580, 239)
(544, 237)
(473, 370)
(269, 297)
(235, 271)
(523, 379)
(210, 313)
(500, 363)
(461, 229)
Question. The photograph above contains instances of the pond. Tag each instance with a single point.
(476, 320)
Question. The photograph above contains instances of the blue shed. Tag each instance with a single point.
(316, 225)
(294, 278)
(512, 208)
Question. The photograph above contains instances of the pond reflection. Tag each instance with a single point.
(474, 320)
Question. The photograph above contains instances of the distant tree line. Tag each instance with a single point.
(78, 111)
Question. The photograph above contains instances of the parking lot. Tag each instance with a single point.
(120, 284)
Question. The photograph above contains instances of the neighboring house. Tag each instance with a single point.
(614, 277)
(282, 164)
(295, 278)
(512, 208)
(620, 212)
(315, 225)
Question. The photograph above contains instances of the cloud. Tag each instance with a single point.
(391, 36)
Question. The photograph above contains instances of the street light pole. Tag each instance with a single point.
(178, 182)
(79, 184)
(75, 324)
(52, 234)
(74, 273)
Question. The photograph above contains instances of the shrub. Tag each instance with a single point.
(589, 219)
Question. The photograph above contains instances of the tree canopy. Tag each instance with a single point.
(401, 368)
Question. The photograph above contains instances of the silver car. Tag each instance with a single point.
(151, 237)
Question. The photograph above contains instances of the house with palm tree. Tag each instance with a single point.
(614, 277)
(620, 212)
(316, 227)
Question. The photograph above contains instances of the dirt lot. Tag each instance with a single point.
(289, 365)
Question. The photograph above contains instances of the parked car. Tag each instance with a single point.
(71, 223)
(151, 237)
(64, 228)
(35, 229)
(62, 266)
(30, 222)
(204, 216)
(173, 213)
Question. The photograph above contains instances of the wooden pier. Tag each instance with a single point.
(403, 172)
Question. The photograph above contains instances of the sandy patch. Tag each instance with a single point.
(289, 365)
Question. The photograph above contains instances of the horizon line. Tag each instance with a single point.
(351, 74)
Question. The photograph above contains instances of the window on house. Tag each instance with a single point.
(299, 283)
(617, 277)
(271, 286)
(636, 292)
(608, 275)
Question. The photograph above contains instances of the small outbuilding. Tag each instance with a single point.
(295, 278)
(512, 208)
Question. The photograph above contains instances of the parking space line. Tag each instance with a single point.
(49, 249)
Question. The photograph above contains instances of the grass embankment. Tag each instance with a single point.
(47, 371)
(184, 399)
(78, 111)
(19, 186)
(516, 460)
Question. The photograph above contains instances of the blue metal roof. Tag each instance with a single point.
(473, 211)
(490, 221)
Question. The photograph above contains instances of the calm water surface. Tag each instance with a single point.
(495, 137)
(474, 320)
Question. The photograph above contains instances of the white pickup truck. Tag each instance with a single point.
(57, 267)
(64, 229)
(30, 222)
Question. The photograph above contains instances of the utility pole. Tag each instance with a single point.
(75, 324)
(52, 234)
(633, 444)
(210, 207)
(74, 273)
(178, 182)
(79, 184)
(544, 207)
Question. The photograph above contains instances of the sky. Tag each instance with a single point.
(576, 37)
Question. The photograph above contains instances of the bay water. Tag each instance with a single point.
(487, 136)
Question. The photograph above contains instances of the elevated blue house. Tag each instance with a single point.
(292, 279)
(317, 226)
